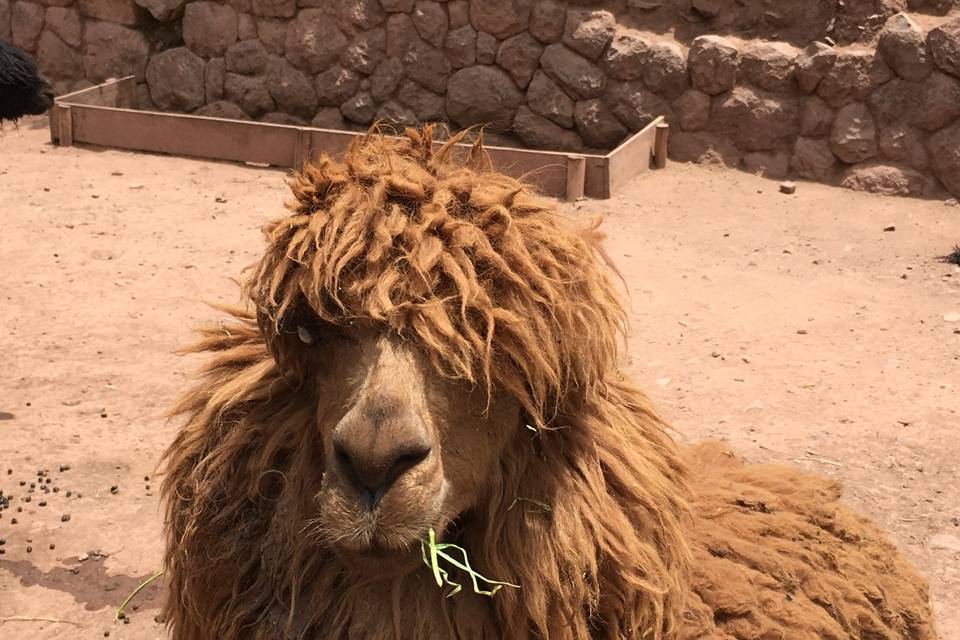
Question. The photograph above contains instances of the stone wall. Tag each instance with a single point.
(847, 91)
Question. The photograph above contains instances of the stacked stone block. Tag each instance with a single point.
(881, 113)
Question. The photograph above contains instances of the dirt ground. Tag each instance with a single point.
(795, 327)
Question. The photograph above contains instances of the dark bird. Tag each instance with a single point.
(952, 258)
(23, 91)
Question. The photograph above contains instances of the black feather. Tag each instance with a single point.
(952, 258)
(23, 91)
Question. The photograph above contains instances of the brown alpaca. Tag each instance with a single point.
(428, 345)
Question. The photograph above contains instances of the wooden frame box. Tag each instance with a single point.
(105, 116)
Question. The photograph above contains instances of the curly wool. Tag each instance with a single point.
(628, 540)
(491, 284)
(471, 265)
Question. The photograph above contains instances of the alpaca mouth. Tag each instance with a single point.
(379, 557)
(351, 530)
(393, 526)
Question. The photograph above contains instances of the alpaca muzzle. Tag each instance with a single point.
(378, 444)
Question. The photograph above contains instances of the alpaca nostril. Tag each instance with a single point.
(407, 460)
(373, 473)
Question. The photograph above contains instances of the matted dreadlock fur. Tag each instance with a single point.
(482, 275)
(484, 278)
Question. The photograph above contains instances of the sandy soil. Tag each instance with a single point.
(793, 326)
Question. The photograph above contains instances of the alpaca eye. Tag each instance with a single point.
(305, 336)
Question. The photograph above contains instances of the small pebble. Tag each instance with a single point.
(802, 332)
(69, 493)
(56, 489)
(2, 551)
(114, 489)
(29, 549)
(42, 503)
(52, 546)
(65, 517)
(788, 188)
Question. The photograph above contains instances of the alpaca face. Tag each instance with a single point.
(404, 449)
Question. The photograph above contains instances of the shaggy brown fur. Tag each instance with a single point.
(777, 557)
(480, 275)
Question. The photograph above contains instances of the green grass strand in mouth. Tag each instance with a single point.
(434, 552)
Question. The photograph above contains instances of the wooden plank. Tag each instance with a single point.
(302, 150)
(95, 118)
(331, 142)
(127, 97)
(660, 145)
(277, 145)
(633, 157)
(576, 172)
(596, 180)
(53, 123)
(547, 170)
(65, 125)
(108, 94)
(182, 135)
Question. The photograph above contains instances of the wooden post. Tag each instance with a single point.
(127, 93)
(65, 125)
(301, 155)
(53, 122)
(660, 145)
(576, 176)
